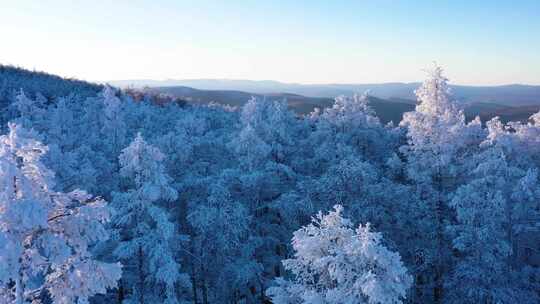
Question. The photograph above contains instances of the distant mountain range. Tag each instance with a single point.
(391, 109)
(507, 95)
(386, 109)
(390, 100)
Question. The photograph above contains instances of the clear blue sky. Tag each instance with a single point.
(358, 41)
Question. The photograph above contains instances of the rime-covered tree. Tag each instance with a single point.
(114, 127)
(147, 236)
(486, 232)
(436, 132)
(45, 236)
(264, 147)
(335, 263)
(31, 111)
(270, 126)
(520, 141)
(253, 151)
(353, 123)
(438, 139)
(221, 248)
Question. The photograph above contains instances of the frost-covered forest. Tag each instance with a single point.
(108, 196)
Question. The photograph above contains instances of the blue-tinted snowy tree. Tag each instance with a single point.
(487, 221)
(147, 238)
(335, 263)
(438, 140)
(45, 236)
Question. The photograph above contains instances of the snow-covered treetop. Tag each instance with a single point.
(351, 111)
(436, 105)
(334, 263)
(520, 141)
(436, 130)
(267, 127)
(434, 94)
(253, 111)
(111, 101)
(435, 100)
(29, 110)
(19, 147)
(144, 164)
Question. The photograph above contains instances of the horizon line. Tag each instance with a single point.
(451, 83)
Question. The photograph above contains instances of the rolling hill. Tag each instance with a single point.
(50, 86)
(389, 101)
(509, 95)
(387, 109)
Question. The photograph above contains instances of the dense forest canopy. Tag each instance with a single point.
(111, 196)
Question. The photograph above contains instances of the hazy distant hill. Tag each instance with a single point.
(386, 109)
(389, 100)
(512, 95)
(506, 114)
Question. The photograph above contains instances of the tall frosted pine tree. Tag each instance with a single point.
(438, 139)
(147, 236)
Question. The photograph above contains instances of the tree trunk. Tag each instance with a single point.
(141, 276)
(204, 288)
(19, 287)
(120, 292)
(194, 285)
(439, 268)
(204, 292)
(262, 295)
